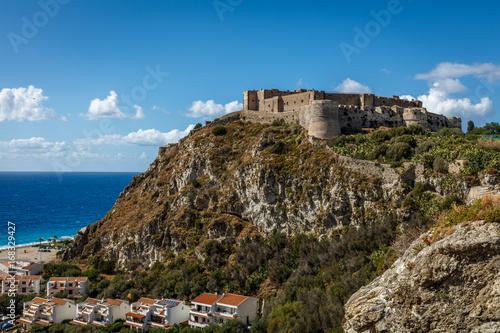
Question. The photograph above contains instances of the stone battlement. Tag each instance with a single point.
(329, 114)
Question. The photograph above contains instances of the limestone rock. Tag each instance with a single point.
(452, 285)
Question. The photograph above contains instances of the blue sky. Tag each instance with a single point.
(100, 85)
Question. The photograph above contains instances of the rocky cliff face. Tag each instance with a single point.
(452, 285)
(252, 180)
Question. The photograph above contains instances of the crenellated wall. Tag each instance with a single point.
(328, 114)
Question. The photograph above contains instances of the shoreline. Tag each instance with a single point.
(30, 254)
(33, 244)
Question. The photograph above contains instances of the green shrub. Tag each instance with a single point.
(197, 126)
(278, 148)
(196, 183)
(378, 151)
(440, 165)
(416, 129)
(446, 131)
(360, 139)
(398, 131)
(380, 136)
(406, 138)
(278, 122)
(219, 130)
(341, 140)
(398, 151)
(424, 147)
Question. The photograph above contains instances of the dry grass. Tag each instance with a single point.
(490, 144)
(486, 208)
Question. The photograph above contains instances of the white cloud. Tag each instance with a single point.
(139, 113)
(25, 104)
(299, 83)
(149, 137)
(440, 101)
(143, 156)
(487, 71)
(444, 83)
(210, 109)
(106, 108)
(33, 144)
(349, 86)
(407, 97)
(33, 148)
(109, 108)
(385, 70)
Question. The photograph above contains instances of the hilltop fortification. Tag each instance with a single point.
(328, 114)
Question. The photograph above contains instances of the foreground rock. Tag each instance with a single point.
(452, 285)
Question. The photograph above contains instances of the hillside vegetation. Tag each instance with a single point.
(262, 210)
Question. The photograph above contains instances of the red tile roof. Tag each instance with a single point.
(232, 299)
(39, 300)
(114, 301)
(135, 315)
(92, 300)
(207, 299)
(31, 265)
(58, 300)
(69, 279)
(147, 300)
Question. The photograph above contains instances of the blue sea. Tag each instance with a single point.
(44, 204)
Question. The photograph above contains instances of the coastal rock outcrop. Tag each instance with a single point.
(254, 180)
(452, 285)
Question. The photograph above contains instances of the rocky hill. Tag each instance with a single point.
(252, 180)
(452, 285)
(266, 210)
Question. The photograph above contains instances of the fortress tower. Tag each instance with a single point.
(325, 115)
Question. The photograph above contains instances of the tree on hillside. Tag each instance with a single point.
(470, 126)
(492, 127)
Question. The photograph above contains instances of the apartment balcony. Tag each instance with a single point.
(79, 321)
(158, 325)
(99, 323)
(227, 315)
(197, 324)
(201, 313)
(134, 324)
(26, 320)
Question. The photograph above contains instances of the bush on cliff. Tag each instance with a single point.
(219, 130)
(398, 151)
(380, 136)
(407, 138)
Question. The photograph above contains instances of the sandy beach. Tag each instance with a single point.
(29, 253)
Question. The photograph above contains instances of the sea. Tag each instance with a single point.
(44, 204)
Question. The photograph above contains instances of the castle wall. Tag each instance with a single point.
(265, 117)
(320, 118)
(250, 100)
(294, 102)
(321, 115)
(391, 101)
(354, 118)
(344, 99)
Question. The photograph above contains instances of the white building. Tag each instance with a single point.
(71, 286)
(22, 268)
(100, 312)
(202, 313)
(47, 311)
(150, 313)
(210, 308)
(22, 284)
(232, 306)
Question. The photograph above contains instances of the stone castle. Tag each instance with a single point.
(325, 115)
